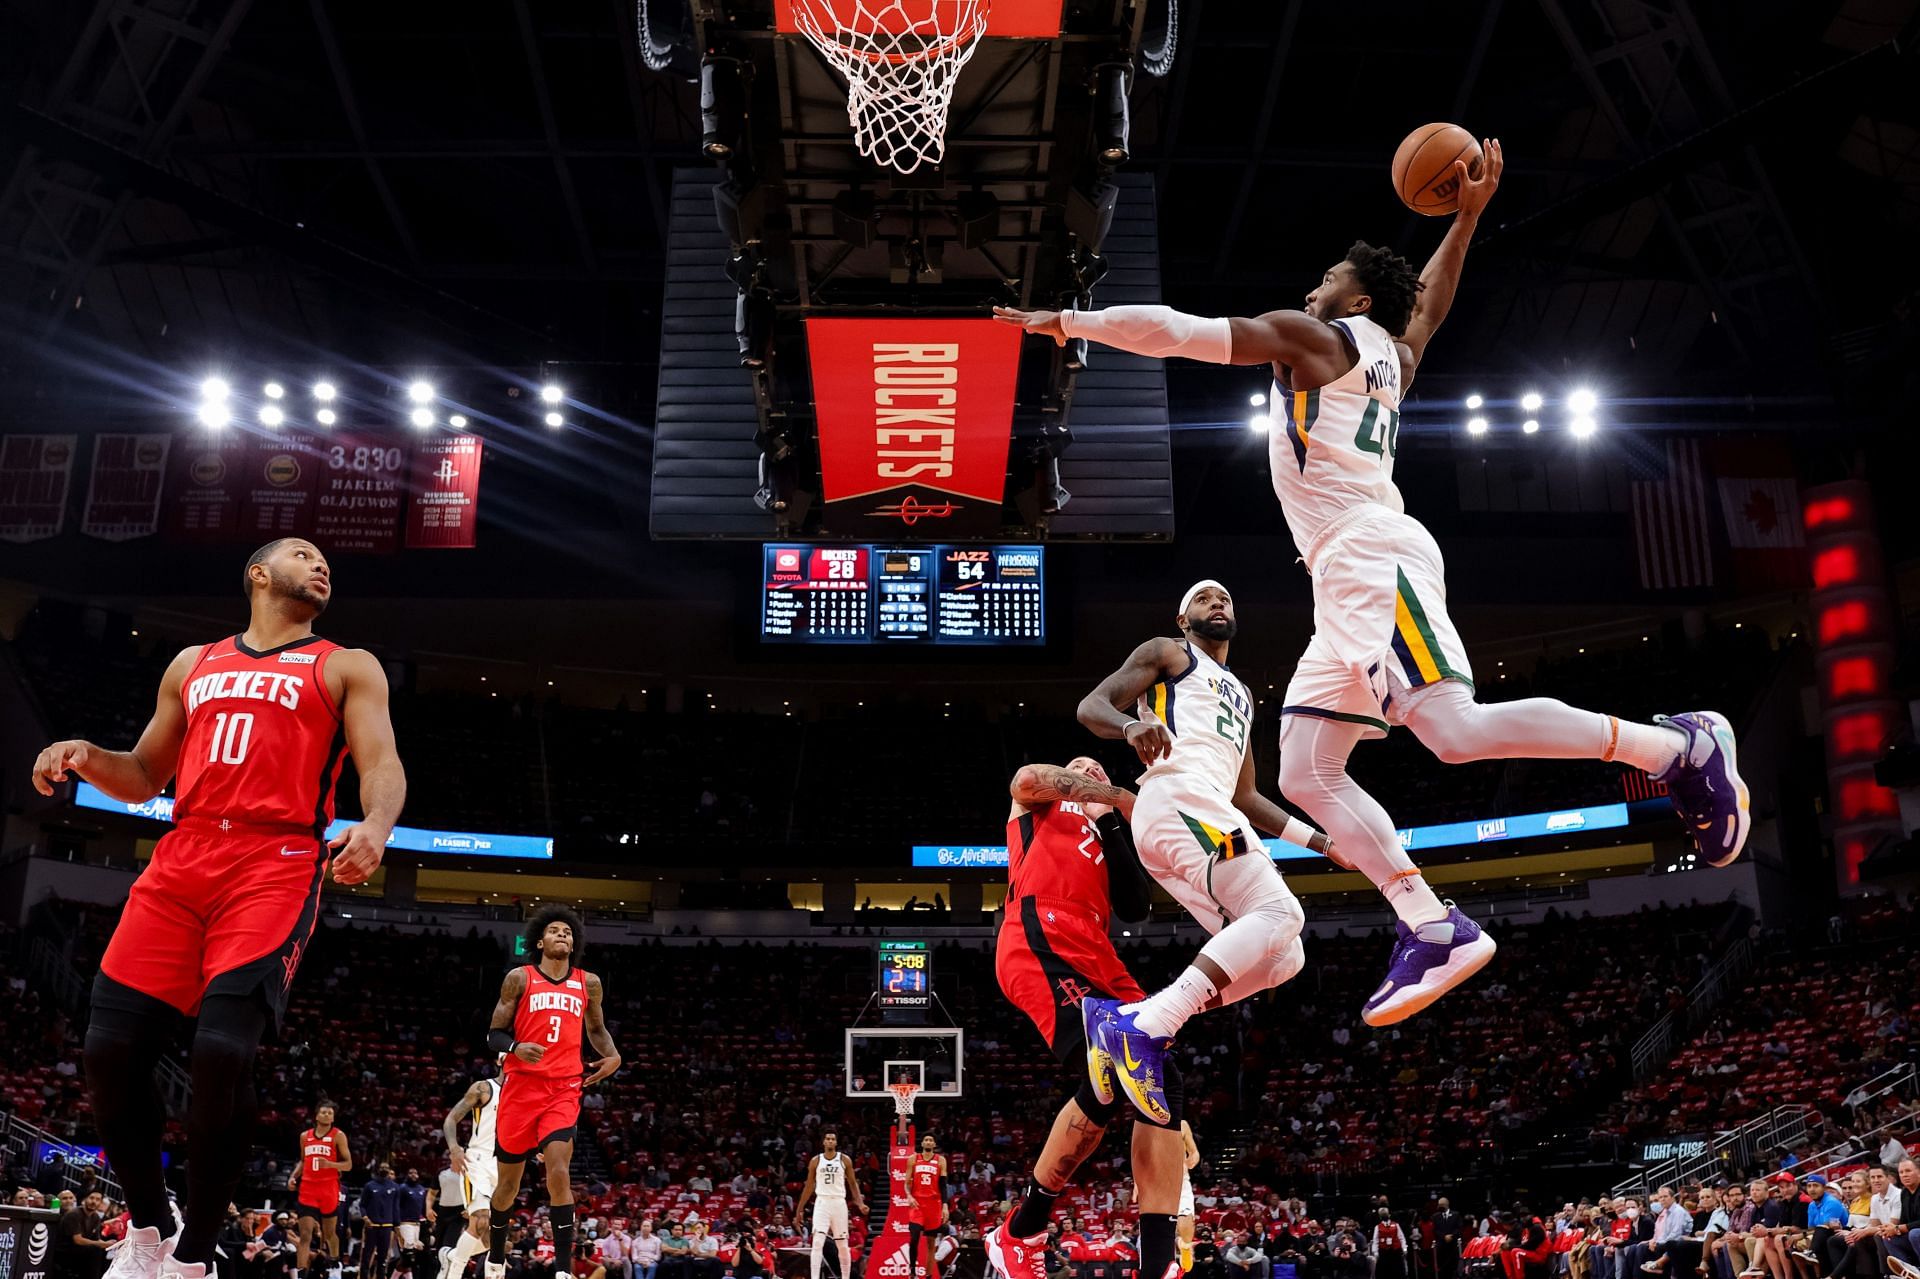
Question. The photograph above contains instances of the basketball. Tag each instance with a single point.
(1423, 175)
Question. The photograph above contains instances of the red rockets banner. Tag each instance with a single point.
(914, 420)
(446, 492)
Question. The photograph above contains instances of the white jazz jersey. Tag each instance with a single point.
(480, 1144)
(830, 1178)
(1331, 449)
(1208, 711)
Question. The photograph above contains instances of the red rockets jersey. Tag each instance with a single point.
(924, 1182)
(552, 1014)
(1054, 852)
(264, 740)
(319, 1184)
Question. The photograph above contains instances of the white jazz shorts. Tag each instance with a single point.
(1380, 625)
(1186, 1195)
(409, 1234)
(830, 1218)
(1204, 851)
(483, 1174)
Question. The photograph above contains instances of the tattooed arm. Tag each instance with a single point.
(1046, 783)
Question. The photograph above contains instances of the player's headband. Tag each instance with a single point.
(1186, 601)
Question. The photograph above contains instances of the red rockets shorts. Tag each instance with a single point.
(1051, 955)
(924, 1214)
(534, 1110)
(222, 908)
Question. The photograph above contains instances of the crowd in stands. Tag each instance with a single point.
(730, 779)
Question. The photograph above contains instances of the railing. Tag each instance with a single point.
(26, 1145)
(1902, 1081)
(1655, 1046)
(1781, 1127)
(58, 978)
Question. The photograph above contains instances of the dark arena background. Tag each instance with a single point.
(727, 565)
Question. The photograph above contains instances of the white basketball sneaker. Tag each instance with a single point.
(496, 1270)
(142, 1253)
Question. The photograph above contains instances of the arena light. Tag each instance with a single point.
(420, 392)
(458, 421)
(275, 391)
(1582, 402)
(1475, 400)
(325, 392)
(552, 394)
(271, 415)
(1476, 426)
(214, 388)
(1530, 427)
(1532, 401)
(556, 420)
(326, 417)
(1260, 423)
(1257, 399)
(422, 418)
(1582, 427)
(215, 414)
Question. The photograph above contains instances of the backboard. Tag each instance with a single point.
(930, 1056)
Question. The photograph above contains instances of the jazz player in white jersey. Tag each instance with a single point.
(475, 1163)
(1195, 823)
(829, 1184)
(1384, 650)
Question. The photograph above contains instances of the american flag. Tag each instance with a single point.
(1670, 515)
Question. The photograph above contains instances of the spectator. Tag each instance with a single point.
(1449, 1227)
(1243, 1260)
(675, 1257)
(1857, 1249)
(700, 1184)
(645, 1251)
(703, 1252)
(613, 1253)
(78, 1250)
(1825, 1214)
(1388, 1247)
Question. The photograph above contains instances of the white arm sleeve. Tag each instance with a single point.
(1157, 331)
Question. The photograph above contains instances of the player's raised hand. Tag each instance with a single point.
(1149, 738)
(57, 762)
(1047, 322)
(357, 851)
(530, 1053)
(457, 1160)
(601, 1069)
(1475, 192)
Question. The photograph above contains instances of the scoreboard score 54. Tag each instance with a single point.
(906, 975)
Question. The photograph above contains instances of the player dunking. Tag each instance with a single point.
(927, 1184)
(1072, 866)
(475, 1164)
(1196, 824)
(1384, 650)
(256, 725)
(545, 1010)
(316, 1185)
(829, 1185)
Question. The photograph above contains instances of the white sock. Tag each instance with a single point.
(1164, 1012)
(1413, 901)
(464, 1251)
(1651, 748)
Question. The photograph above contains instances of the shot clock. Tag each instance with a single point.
(905, 978)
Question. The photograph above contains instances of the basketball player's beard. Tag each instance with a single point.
(293, 589)
(1206, 628)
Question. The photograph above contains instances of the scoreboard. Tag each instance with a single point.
(906, 975)
(876, 594)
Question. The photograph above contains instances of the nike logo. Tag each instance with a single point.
(221, 657)
(295, 852)
(1126, 1053)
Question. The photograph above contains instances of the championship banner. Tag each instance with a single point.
(914, 420)
(446, 492)
(123, 489)
(362, 487)
(282, 486)
(35, 473)
(205, 487)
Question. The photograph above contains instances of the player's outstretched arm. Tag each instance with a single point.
(471, 1099)
(500, 1027)
(383, 782)
(135, 776)
(1293, 338)
(598, 1035)
(1441, 276)
(1101, 712)
(1275, 820)
(1047, 783)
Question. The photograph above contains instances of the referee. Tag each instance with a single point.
(447, 1207)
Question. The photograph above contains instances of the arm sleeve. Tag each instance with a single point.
(1156, 331)
(1127, 883)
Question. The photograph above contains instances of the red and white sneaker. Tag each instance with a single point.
(1017, 1258)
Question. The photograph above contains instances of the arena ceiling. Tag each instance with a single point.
(1695, 189)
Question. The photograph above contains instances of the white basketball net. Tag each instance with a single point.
(903, 1095)
(901, 60)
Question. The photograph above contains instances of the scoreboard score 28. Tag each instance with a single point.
(906, 975)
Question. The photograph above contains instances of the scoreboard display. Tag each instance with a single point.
(906, 975)
(874, 594)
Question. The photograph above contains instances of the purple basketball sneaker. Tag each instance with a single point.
(1427, 962)
(1706, 788)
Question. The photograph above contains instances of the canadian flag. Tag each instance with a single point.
(1762, 512)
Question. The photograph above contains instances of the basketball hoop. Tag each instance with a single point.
(901, 60)
(903, 1095)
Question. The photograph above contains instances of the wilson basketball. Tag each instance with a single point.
(1423, 174)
